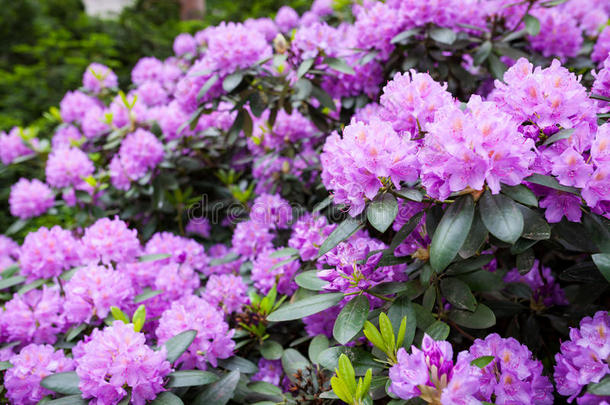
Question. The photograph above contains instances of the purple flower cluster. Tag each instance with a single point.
(584, 358)
(431, 375)
(110, 240)
(367, 158)
(98, 77)
(92, 290)
(471, 148)
(35, 317)
(47, 252)
(115, 359)
(513, 376)
(213, 340)
(410, 100)
(308, 234)
(353, 265)
(226, 291)
(30, 198)
(140, 152)
(181, 249)
(32, 364)
(268, 270)
(12, 146)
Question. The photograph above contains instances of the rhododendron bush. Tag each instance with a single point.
(396, 202)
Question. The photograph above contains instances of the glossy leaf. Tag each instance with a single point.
(190, 378)
(305, 307)
(220, 392)
(458, 294)
(382, 211)
(451, 232)
(351, 319)
(62, 383)
(179, 343)
(343, 231)
(481, 318)
(501, 216)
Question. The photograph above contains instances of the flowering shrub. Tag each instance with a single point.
(391, 202)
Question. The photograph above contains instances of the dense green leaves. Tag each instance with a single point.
(190, 378)
(343, 231)
(178, 344)
(220, 392)
(602, 261)
(458, 293)
(351, 319)
(451, 232)
(501, 216)
(62, 383)
(481, 318)
(271, 350)
(305, 307)
(310, 280)
(382, 211)
(167, 398)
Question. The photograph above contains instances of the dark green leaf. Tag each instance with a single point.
(563, 134)
(351, 319)
(404, 35)
(410, 194)
(520, 193)
(154, 257)
(482, 53)
(31, 286)
(62, 383)
(68, 400)
(305, 307)
(146, 295)
(476, 237)
(443, 35)
(292, 362)
(501, 216)
(323, 204)
(323, 97)
(438, 330)
(179, 343)
(483, 280)
(75, 331)
(482, 361)
(167, 398)
(318, 345)
(469, 265)
(339, 65)
(220, 392)
(602, 261)
(532, 25)
(345, 229)
(271, 350)
(451, 232)
(310, 280)
(231, 82)
(458, 293)
(481, 318)
(551, 182)
(190, 378)
(400, 308)
(11, 281)
(240, 364)
(304, 67)
(497, 67)
(601, 388)
(382, 211)
(406, 230)
(535, 226)
(362, 360)
(207, 86)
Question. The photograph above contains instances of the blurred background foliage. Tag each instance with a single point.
(45, 45)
